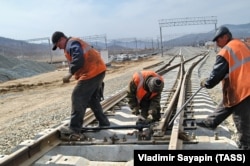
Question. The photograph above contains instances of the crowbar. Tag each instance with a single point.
(183, 106)
(138, 126)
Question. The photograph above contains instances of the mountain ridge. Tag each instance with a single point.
(17, 48)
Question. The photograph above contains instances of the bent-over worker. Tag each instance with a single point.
(144, 93)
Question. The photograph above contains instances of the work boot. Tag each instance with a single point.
(66, 130)
(205, 124)
(104, 124)
(183, 136)
(68, 134)
(243, 146)
(142, 121)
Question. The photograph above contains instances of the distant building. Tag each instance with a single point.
(210, 45)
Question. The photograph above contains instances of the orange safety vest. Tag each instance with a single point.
(93, 62)
(236, 85)
(139, 78)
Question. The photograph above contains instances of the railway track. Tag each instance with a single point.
(115, 144)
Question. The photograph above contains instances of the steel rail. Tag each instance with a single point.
(160, 129)
(176, 143)
(163, 124)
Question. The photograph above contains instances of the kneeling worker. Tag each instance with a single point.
(144, 93)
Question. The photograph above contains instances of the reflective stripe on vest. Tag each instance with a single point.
(237, 62)
(140, 87)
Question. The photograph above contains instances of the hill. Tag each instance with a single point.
(239, 31)
(13, 68)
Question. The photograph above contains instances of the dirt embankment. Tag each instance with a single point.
(13, 68)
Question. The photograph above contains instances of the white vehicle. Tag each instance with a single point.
(105, 56)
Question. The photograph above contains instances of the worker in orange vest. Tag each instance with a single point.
(232, 68)
(87, 66)
(144, 94)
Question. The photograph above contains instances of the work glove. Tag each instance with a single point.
(67, 77)
(150, 112)
(203, 82)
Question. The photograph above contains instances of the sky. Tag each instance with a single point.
(115, 19)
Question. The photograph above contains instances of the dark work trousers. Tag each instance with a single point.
(87, 93)
(241, 117)
(144, 105)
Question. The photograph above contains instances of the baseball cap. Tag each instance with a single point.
(220, 32)
(55, 38)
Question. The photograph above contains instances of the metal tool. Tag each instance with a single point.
(138, 127)
(183, 106)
